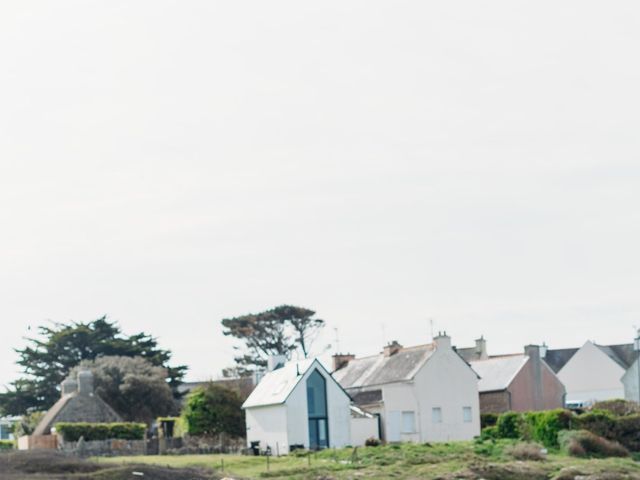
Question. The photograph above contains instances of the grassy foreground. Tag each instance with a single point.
(463, 460)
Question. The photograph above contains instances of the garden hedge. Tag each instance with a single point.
(72, 432)
(7, 445)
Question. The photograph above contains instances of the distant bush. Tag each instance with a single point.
(527, 451)
(544, 426)
(7, 445)
(599, 422)
(582, 443)
(619, 407)
(372, 442)
(509, 425)
(626, 432)
(213, 409)
(488, 420)
(489, 433)
(72, 432)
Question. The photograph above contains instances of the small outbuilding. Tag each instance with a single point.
(78, 403)
(298, 405)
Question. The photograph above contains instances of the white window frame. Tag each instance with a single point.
(465, 418)
(405, 415)
(436, 415)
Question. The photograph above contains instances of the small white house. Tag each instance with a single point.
(423, 393)
(592, 372)
(298, 405)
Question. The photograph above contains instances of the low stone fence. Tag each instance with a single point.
(105, 448)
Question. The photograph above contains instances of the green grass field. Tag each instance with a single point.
(465, 460)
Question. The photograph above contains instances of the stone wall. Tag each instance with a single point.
(105, 448)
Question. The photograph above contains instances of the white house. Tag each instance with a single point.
(423, 393)
(298, 405)
(592, 372)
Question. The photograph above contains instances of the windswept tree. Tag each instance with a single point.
(48, 358)
(279, 331)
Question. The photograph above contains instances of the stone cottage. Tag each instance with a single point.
(78, 403)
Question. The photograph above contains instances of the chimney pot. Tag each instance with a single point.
(341, 360)
(391, 349)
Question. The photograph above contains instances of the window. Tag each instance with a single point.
(317, 411)
(436, 415)
(466, 415)
(408, 422)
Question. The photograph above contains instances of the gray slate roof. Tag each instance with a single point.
(497, 373)
(622, 354)
(380, 370)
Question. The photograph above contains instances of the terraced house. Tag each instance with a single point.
(422, 393)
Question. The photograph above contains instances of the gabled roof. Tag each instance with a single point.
(623, 354)
(380, 369)
(276, 386)
(76, 407)
(497, 373)
(556, 359)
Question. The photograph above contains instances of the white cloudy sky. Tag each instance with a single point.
(171, 163)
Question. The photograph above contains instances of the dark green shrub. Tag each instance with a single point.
(627, 432)
(544, 426)
(372, 442)
(213, 409)
(7, 445)
(488, 420)
(582, 443)
(599, 422)
(72, 432)
(489, 433)
(509, 425)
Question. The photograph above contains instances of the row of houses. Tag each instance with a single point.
(426, 393)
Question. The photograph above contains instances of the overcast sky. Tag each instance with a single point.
(173, 163)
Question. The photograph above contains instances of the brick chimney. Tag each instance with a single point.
(533, 352)
(341, 360)
(392, 348)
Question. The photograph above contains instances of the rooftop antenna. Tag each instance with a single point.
(431, 326)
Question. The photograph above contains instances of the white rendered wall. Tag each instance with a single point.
(447, 382)
(591, 375)
(363, 428)
(268, 425)
(398, 398)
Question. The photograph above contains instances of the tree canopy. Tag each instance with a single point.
(48, 358)
(279, 331)
(214, 410)
(132, 386)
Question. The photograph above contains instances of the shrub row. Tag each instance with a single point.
(545, 426)
(7, 444)
(72, 432)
